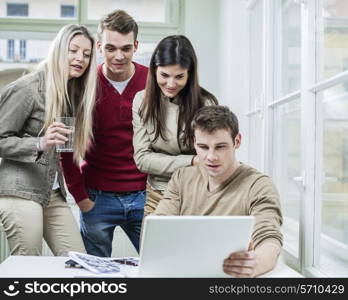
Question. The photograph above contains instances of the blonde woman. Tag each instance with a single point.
(32, 195)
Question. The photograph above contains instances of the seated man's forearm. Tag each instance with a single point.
(267, 255)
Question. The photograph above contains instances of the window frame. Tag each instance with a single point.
(47, 28)
(255, 107)
(308, 259)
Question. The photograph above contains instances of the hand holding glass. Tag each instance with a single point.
(69, 123)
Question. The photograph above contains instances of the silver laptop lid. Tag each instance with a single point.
(191, 246)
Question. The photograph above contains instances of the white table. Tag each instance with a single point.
(49, 266)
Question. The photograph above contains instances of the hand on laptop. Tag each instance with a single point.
(242, 263)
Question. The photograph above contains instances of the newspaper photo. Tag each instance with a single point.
(102, 265)
(95, 264)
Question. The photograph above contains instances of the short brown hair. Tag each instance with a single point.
(119, 21)
(212, 118)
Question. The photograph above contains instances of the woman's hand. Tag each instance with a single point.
(55, 134)
(195, 160)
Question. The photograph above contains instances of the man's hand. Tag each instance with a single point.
(241, 264)
(253, 262)
(86, 205)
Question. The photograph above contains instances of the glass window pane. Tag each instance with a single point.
(143, 53)
(333, 38)
(67, 11)
(26, 54)
(255, 142)
(20, 56)
(17, 9)
(33, 50)
(256, 54)
(255, 85)
(140, 10)
(37, 9)
(10, 49)
(288, 47)
(332, 117)
(287, 168)
(22, 49)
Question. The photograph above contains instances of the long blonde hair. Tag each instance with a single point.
(74, 97)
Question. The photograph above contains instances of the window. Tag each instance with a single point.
(10, 50)
(67, 11)
(30, 51)
(308, 99)
(331, 103)
(156, 18)
(333, 27)
(25, 41)
(16, 50)
(287, 169)
(140, 10)
(17, 9)
(39, 9)
(22, 49)
(286, 154)
(332, 126)
(143, 53)
(255, 86)
(288, 41)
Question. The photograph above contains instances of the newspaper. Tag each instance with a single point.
(103, 265)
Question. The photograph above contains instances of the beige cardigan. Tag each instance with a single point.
(161, 158)
(246, 192)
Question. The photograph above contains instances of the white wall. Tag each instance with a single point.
(218, 32)
(201, 26)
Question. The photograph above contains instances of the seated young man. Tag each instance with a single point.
(222, 186)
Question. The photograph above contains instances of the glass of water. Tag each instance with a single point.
(69, 123)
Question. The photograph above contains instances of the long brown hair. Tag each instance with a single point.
(173, 50)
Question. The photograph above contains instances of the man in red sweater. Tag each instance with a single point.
(108, 188)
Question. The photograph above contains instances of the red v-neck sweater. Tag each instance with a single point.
(109, 164)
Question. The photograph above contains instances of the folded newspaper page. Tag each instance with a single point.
(103, 265)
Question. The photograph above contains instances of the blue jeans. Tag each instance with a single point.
(111, 210)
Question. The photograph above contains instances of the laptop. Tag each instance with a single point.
(191, 246)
